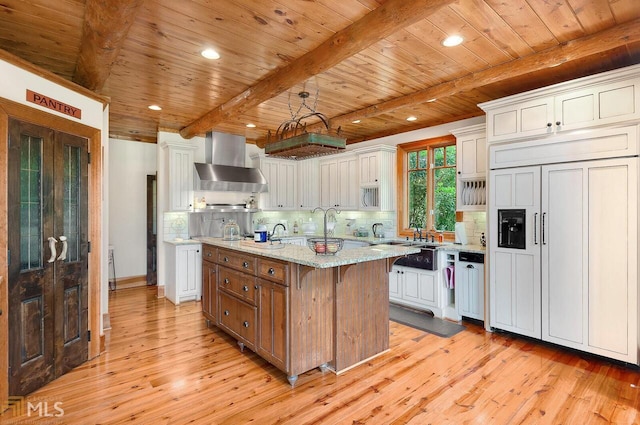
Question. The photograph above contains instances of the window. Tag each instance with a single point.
(428, 185)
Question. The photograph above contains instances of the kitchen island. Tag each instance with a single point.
(296, 309)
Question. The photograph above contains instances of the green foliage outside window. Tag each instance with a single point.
(443, 199)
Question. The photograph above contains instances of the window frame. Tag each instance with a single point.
(402, 182)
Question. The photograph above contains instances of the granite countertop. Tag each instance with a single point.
(183, 242)
(445, 246)
(303, 255)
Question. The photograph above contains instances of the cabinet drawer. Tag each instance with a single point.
(273, 270)
(237, 260)
(239, 319)
(209, 253)
(238, 283)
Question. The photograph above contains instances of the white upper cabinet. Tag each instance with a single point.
(281, 174)
(179, 163)
(471, 164)
(377, 178)
(308, 178)
(338, 182)
(601, 99)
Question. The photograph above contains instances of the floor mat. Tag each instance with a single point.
(423, 321)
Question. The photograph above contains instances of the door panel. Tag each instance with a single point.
(47, 283)
(514, 274)
(564, 270)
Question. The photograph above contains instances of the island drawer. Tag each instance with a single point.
(237, 260)
(273, 270)
(209, 253)
(239, 319)
(238, 283)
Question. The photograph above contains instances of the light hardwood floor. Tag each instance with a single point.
(164, 366)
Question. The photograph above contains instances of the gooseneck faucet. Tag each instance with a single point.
(273, 232)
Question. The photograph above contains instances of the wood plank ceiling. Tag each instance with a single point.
(370, 60)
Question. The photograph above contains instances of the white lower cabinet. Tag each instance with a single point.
(184, 272)
(415, 288)
(575, 281)
(469, 289)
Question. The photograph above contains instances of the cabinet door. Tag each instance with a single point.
(526, 119)
(273, 313)
(514, 276)
(470, 291)
(472, 157)
(328, 184)
(308, 180)
(395, 282)
(347, 183)
(585, 283)
(286, 181)
(369, 171)
(209, 291)
(419, 287)
(180, 179)
(188, 271)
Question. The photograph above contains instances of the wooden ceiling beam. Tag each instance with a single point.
(106, 24)
(386, 19)
(603, 41)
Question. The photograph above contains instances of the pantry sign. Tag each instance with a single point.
(56, 105)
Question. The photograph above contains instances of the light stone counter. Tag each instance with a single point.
(303, 255)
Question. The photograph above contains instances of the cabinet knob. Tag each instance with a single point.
(459, 172)
(208, 254)
(226, 260)
(226, 312)
(245, 264)
(549, 124)
(558, 123)
(197, 250)
(245, 288)
(271, 271)
(226, 280)
(245, 324)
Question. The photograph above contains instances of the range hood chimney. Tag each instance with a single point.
(225, 169)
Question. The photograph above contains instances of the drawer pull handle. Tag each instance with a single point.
(226, 260)
(226, 312)
(226, 280)
(271, 271)
(245, 324)
(245, 288)
(245, 264)
(255, 286)
(208, 254)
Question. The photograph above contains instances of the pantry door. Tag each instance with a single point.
(48, 253)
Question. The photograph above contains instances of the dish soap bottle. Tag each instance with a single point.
(295, 227)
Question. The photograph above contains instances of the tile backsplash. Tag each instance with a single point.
(175, 225)
(475, 224)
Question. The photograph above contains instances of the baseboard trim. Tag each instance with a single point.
(131, 282)
(160, 291)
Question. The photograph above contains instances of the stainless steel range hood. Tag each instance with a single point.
(224, 169)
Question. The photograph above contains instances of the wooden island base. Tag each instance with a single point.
(295, 316)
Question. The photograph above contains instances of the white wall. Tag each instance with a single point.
(129, 164)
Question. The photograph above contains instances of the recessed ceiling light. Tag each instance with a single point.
(155, 108)
(356, 121)
(411, 118)
(251, 125)
(210, 54)
(452, 40)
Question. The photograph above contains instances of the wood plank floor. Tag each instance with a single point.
(164, 366)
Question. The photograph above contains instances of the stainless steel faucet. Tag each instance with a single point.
(273, 232)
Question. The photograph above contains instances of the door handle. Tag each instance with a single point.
(535, 227)
(544, 242)
(63, 254)
(52, 247)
